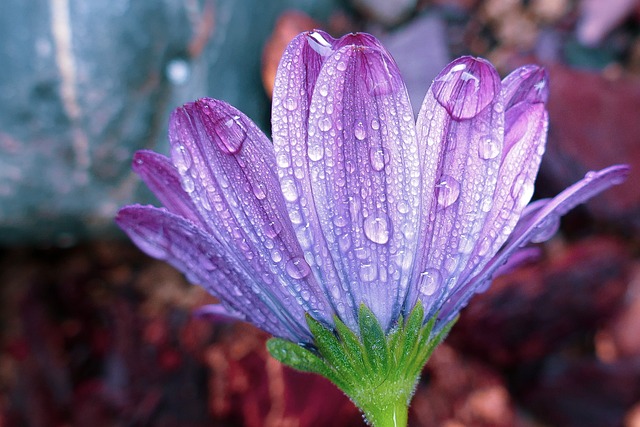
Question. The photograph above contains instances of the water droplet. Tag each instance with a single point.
(488, 148)
(359, 131)
(379, 158)
(276, 255)
(340, 220)
(368, 272)
(376, 228)
(289, 190)
(259, 190)
(324, 124)
(375, 124)
(429, 281)
(403, 207)
(315, 152)
(546, 229)
(323, 90)
(485, 245)
(319, 43)
(290, 104)
(187, 184)
(230, 138)
(448, 190)
(282, 158)
(341, 66)
(465, 245)
(297, 268)
(181, 158)
(486, 204)
(272, 229)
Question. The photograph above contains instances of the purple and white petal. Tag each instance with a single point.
(537, 225)
(164, 235)
(227, 165)
(460, 132)
(295, 83)
(163, 180)
(364, 178)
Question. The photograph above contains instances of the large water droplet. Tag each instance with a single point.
(181, 158)
(429, 281)
(290, 104)
(376, 228)
(368, 272)
(187, 184)
(230, 134)
(375, 124)
(324, 124)
(272, 229)
(488, 148)
(448, 190)
(359, 131)
(289, 190)
(315, 152)
(259, 190)
(323, 90)
(341, 66)
(379, 158)
(297, 268)
(546, 229)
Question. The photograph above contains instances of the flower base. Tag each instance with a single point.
(377, 372)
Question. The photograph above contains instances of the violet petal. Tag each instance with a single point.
(364, 174)
(536, 225)
(460, 155)
(163, 180)
(164, 235)
(227, 165)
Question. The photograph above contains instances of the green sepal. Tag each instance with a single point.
(297, 357)
(374, 340)
(377, 371)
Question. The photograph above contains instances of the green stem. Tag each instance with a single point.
(387, 413)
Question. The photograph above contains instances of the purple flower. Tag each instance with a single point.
(354, 202)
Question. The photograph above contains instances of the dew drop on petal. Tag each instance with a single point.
(290, 104)
(376, 228)
(232, 136)
(379, 158)
(289, 189)
(323, 90)
(368, 272)
(259, 190)
(546, 229)
(488, 148)
(272, 229)
(315, 152)
(181, 158)
(375, 124)
(341, 66)
(448, 190)
(359, 131)
(324, 124)
(429, 281)
(297, 268)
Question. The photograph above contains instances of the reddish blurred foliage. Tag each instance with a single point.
(595, 123)
(534, 310)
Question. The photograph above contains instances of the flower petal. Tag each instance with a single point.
(536, 225)
(460, 132)
(227, 165)
(163, 180)
(295, 81)
(164, 235)
(525, 135)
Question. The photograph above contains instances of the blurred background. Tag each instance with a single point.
(94, 333)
